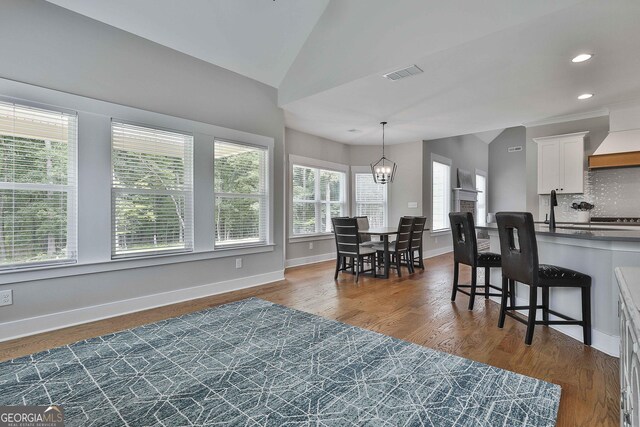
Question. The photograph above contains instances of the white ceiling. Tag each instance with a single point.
(256, 38)
(487, 65)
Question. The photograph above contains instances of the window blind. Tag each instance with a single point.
(481, 205)
(318, 196)
(37, 186)
(241, 196)
(371, 200)
(152, 191)
(441, 201)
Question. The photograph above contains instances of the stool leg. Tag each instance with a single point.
(487, 272)
(586, 314)
(503, 302)
(474, 282)
(531, 321)
(545, 304)
(512, 292)
(456, 267)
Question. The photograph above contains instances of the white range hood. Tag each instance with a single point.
(621, 148)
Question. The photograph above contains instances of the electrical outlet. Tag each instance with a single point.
(310, 245)
(6, 297)
(238, 262)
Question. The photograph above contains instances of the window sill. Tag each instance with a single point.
(311, 237)
(440, 232)
(76, 269)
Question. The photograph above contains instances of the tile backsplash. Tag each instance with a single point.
(613, 192)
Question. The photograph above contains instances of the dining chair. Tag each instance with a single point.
(417, 232)
(363, 224)
(520, 263)
(348, 247)
(400, 248)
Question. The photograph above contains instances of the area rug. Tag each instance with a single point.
(254, 363)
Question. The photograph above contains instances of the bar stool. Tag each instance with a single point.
(520, 263)
(465, 251)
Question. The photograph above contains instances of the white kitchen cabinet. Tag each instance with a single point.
(561, 163)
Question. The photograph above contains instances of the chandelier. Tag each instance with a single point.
(384, 170)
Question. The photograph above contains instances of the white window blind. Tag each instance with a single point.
(481, 205)
(152, 191)
(371, 200)
(37, 186)
(241, 209)
(441, 195)
(318, 196)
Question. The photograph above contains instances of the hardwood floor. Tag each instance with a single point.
(415, 308)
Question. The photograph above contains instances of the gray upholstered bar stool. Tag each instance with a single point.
(465, 251)
(520, 263)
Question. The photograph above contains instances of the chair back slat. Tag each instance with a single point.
(417, 231)
(519, 257)
(405, 227)
(346, 234)
(463, 232)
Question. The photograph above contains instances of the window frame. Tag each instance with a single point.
(435, 158)
(365, 170)
(268, 177)
(319, 165)
(485, 196)
(71, 191)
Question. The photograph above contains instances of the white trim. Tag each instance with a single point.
(568, 118)
(447, 162)
(565, 135)
(310, 237)
(315, 163)
(431, 253)
(294, 262)
(49, 322)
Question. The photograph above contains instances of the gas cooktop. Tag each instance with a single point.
(619, 220)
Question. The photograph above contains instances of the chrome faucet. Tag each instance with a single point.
(553, 202)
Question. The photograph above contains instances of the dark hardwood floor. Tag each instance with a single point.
(415, 308)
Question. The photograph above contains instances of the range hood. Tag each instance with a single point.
(619, 149)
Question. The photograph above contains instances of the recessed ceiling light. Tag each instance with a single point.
(582, 57)
(353, 130)
(585, 96)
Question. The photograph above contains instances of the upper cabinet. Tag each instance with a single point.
(561, 163)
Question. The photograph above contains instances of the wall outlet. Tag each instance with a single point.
(238, 262)
(310, 245)
(6, 297)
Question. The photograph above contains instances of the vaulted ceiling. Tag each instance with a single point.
(487, 65)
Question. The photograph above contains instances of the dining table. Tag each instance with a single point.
(383, 233)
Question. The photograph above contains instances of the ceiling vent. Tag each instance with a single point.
(405, 72)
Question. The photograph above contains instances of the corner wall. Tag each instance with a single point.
(507, 178)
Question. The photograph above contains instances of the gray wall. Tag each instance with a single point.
(61, 50)
(507, 178)
(598, 128)
(466, 152)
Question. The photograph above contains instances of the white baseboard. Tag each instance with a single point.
(436, 252)
(294, 262)
(49, 322)
(609, 344)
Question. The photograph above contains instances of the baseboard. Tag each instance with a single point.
(294, 262)
(436, 252)
(49, 322)
(609, 344)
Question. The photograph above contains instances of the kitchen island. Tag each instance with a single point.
(592, 250)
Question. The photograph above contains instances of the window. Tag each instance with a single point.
(441, 194)
(371, 200)
(318, 196)
(241, 194)
(481, 205)
(37, 186)
(152, 191)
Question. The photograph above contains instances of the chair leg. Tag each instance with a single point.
(531, 321)
(398, 256)
(474, 283)
(503, 302)
(487, 280)
(545, 304)
(456, 267)
(357, 260)
(512, 292)
(421, 260)
(373, 265)
(338, 263)
(410, 261)
(586, 315)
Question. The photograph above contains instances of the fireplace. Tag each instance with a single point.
(464, 200)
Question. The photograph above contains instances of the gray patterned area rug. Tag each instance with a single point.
(254, 363)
